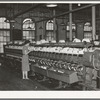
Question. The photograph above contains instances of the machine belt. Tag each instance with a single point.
(14, 56)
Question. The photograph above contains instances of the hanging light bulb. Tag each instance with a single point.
(79, 4)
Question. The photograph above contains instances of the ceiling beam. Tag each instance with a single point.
(65, 13)
(27, 10)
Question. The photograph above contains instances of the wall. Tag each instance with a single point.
(61, 33)
(80, 31)
(2, 13)
(18, 23)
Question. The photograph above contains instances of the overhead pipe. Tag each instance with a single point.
(27, 10)
(93, 23)
(54, 26)
(65, 13)
(70, 22)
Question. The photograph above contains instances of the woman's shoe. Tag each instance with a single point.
(27, 78)
(23, 78)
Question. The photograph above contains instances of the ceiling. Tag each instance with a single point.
(34, 10)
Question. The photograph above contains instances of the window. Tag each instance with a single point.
(4, 33)
(87, 27)
(3, 24)
(73, 27)
(28, 29)
(49, 25)
(49, 30)
(73, 30)
(88, 30)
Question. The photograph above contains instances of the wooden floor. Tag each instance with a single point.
(11, 80)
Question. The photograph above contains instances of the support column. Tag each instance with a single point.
(42, 30)
(35, 31)
(11, 31)
(93, 23)
(80, 30)
(54, 26)
(70, 22)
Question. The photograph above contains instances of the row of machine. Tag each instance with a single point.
(68, 62)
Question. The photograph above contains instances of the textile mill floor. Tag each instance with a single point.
(10, 79)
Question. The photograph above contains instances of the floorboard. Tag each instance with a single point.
(11, 80)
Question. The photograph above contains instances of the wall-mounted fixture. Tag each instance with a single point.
(62, 23)
(10, 18)
(7, 21)
(10, 21)
(51, 5)
(51, 21)
(29, 27)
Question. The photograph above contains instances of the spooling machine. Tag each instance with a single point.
(66, 62)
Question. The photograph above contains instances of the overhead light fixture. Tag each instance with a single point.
(79, 4)
(50, 21)
(29, 27)
(51, 5)
(62, 23)
(7, 21)
(10, 21)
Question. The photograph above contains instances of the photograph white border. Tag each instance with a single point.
(50, 94)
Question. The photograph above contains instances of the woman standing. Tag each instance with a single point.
(25, 62)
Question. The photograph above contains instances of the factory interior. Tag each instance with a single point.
(63, 46)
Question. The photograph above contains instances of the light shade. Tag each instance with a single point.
(29, 27)
(62, 24)
(10, 21)
(7, 21)
(50, 21)
(51, 5)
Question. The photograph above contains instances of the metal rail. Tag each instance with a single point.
(65, 13)
(25, 11)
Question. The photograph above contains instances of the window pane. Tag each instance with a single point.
(73, 26)
(3, 24)
(4, 34)
(49, 25)
(49, 31)
(4, 38)
(28, 28)
(87, 30)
